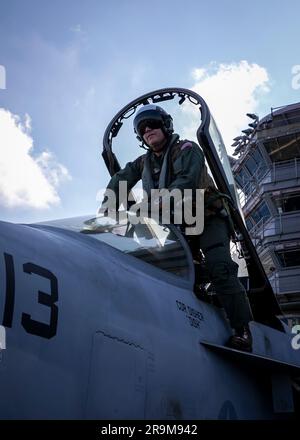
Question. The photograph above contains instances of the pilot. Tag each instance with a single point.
(173, 163)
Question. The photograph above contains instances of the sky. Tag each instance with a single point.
(67, 66)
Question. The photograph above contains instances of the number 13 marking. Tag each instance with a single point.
(48, 299)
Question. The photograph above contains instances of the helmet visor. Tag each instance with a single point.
(150, 123)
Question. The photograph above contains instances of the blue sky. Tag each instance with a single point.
(71, 65)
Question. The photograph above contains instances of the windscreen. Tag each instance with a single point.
(159, 245)
(149, 241)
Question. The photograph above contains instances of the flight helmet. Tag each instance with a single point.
(153, 116)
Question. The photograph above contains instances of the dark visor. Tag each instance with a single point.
(150, 123)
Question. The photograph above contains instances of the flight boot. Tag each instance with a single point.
(241, 340)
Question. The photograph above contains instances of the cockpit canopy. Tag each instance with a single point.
(159, 245)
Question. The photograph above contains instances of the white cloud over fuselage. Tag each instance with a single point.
(26, 181)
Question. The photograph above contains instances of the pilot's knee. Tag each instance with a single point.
(220, 272)
(223, 274)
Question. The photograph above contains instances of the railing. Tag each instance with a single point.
(286, 170)
(284, 119)
(285, 283)
(252, 187)
(263, 228)
(285, 280)
(280, 171)
(286, 223)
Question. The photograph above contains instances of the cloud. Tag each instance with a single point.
(26, 181)
(231, 91)
(77, 30)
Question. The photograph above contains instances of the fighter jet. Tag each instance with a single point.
(101, 320)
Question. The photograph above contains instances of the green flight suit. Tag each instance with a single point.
(215, 245)
(185, 167)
